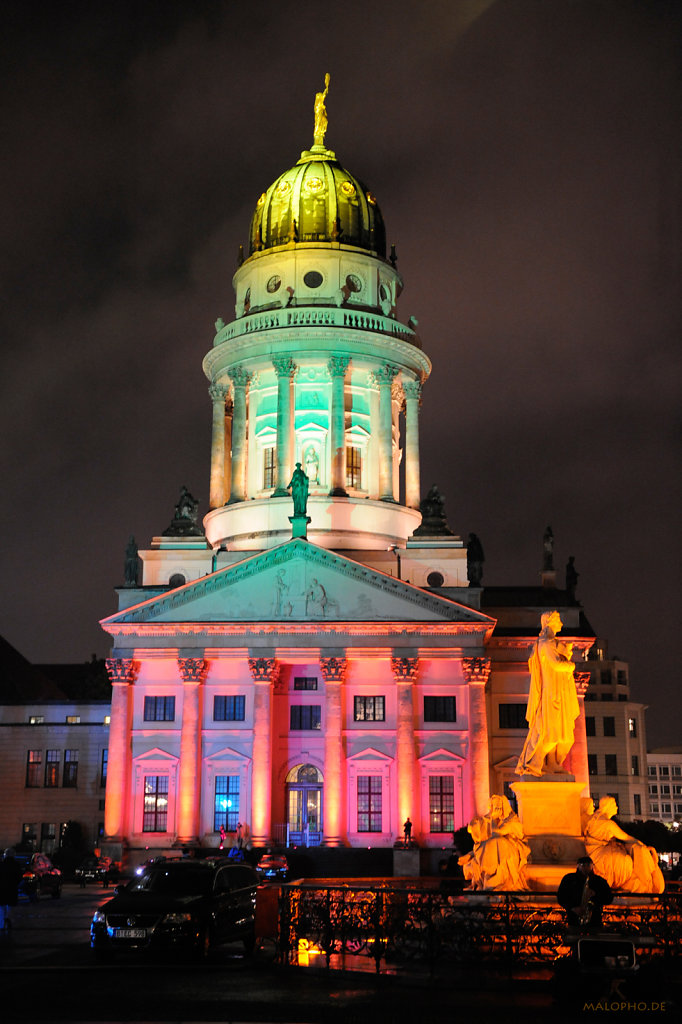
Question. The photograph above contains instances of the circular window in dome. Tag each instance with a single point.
(274, 283)
(348, 188)
(313, 279)
(314, 184)
(353, 283)
(435, 579)
(371, 199)
(383, 292)
(261, 199)
(283, 189)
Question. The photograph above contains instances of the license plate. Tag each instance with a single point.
(129, 933)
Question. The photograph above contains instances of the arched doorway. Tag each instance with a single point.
(304, 805)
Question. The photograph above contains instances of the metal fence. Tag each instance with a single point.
(394, 925)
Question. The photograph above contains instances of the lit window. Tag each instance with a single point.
(632, 726)
(369, 709)
(34, 762)
(107, 719)
(73, 719)
(103, 768)
(441, 803)
(369, 803)
(36, 719)
(70, 777)
(226, 804)
(155, 817)
(305, 682)
(52, 759)
(353, 467)
(269, 467)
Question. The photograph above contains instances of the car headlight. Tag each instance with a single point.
(99, 917)
(177, 918)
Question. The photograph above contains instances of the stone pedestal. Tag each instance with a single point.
(406, 862)
(550, 813)
(299, 526)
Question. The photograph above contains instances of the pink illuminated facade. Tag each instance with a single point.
(316, 680)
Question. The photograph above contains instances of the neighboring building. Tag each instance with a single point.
(664, 769)
(616, 736)
(53, 751)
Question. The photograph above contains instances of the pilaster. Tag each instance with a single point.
(333, 672)
(405, 672)
(122, 673)
(476, 671)
(193, 673)
(264, 672)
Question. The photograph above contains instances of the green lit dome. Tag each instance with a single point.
(317, 200)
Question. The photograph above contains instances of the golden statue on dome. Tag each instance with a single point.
(320, 113)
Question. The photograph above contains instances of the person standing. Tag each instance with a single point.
(407, 831)
(10, 877)
(222, 837)
(583, 895)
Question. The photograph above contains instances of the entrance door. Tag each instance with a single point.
(304, 805)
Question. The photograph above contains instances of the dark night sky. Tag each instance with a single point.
(526, 155)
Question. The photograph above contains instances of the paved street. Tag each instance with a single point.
(48, 973)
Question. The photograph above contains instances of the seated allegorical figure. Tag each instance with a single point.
(625, 862)
(500, 852)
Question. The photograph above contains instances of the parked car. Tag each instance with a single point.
(187, 906)
(273, 866)
(93, 869)
(41, 877)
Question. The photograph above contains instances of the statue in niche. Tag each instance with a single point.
(185, 518)
(571, 578)
(312, 464)
(500, 854)
(548, 551)
(132, 564)
(552, 703)
(475, 560)
(315, 600)
(320, 113)
(625, 862)
(299, 485)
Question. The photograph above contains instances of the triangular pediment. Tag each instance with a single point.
(299, 582)
(369, 754)
(156, 754)
(441, 755)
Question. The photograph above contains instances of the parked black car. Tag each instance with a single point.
(186, 906)
(93, 869)
(273, 866)
(41, 877)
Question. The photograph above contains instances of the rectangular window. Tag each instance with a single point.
(159, 709)
(654, 808)
(441, 803)
(592, 767)
(70, 777)
(512, 716)
(589, 725)
(48, 834)
(36, 719)
(652, 770)
(632, 726)
(666, 809)
(305, 682)
(269, 467)
(34, 766)
(229, 709)
(606, 677)
(226, 805)
(653, 790)
(622, 677)
(637, 803)
(609, 725)
(369, 803)
(677, 790)
(353, 467)
(677, 770)
(73, 719)
(611, 764)
(607, 697)
(103, 768)
(634, 765)
(369, 709)
(305, 716)
(665, 789)
(664, 771)
(440, 709)
(52, 759)
(155, 817)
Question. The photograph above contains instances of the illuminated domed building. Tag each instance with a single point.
(319, 676)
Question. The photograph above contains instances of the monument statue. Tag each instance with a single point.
(552, 703)
(500, 854)
(312, 464)
(571, 578)
(184, 522)
(434, 523)
(132, 564)
(548, 551)
(475, 560)
(299, 485)
(320, 113)
(625, 862)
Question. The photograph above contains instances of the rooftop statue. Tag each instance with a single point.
(475, 560)
(434, 523)
(552, 703)
(625, 862)
(571, 578)
(132, 564)
(321, 113)
(548, 550)
(299, 485)
(500, 854)
(184, 522)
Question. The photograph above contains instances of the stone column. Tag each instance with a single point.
(333, 673)
(217, 493)
(263, 672)
(122, 673)
(405, 675)
(227, 476)
(285, 368)
(337, 367)
(240, 378)
(193, 672)
(412, 390)
(385, 376)
(476, 672)
(577, 758)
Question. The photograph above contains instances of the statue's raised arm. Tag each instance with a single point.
(320, 113)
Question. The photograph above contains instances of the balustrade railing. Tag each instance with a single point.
(395, 925)
(312, 316)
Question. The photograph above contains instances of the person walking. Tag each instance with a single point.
(10, 877)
